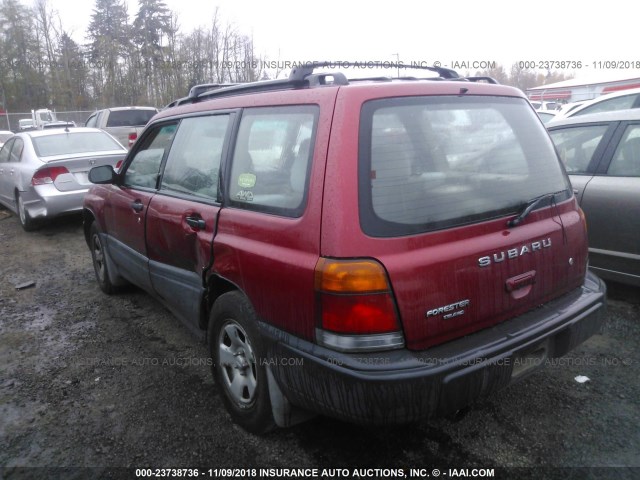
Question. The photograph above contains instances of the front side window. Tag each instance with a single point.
(427, 163)
(577, 145)
(626, 159)
(144, 169)
(272, 158)
(193, 164)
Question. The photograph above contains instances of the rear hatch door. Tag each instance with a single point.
(439, 178)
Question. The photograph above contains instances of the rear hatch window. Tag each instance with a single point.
(429, 163)
(130, 118)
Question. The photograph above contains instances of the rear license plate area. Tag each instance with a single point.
(530, 359)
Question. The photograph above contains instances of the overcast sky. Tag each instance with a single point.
(446, 31)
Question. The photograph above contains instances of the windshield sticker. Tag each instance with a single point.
(247, 180)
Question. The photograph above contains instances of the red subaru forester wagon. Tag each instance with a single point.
(377, 250)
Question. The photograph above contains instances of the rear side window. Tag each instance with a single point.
(626, 160)
(577, 145)
(5, 151)
(272, 158)
(16, 150)
(91, 122)
(427, 163)
(129, 118)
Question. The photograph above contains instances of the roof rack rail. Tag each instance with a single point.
(308, 68)
(482, 79)
(205, 87)
(303, 76)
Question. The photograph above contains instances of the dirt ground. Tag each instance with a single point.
(89, 380)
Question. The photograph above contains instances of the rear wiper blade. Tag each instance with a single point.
(530, 205)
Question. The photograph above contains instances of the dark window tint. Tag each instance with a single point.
(144, 168)
(193, 164)
(272, 158)
(74, 143)
(129, 118)
(576, 145)
(626, 160)
(433, 162)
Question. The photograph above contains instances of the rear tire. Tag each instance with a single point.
(237, 349)
(98, 256)
(28, 224)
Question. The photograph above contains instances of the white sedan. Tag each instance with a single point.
(43, 173)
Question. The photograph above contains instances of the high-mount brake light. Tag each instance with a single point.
(356, 308)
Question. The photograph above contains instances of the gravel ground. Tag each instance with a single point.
(88, 380)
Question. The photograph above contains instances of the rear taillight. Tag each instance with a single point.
(118, 165)
(133, 136)
(47, 175)
(356, 308)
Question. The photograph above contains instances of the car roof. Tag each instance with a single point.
(612, 116)
(117, 109)
(602, 98)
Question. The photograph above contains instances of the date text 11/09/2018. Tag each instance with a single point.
(578, 64)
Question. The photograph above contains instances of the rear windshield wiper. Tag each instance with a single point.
(530, 205)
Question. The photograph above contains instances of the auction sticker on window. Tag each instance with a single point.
(247, 180)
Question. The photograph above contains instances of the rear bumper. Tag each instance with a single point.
(401, 385)
(47, 201)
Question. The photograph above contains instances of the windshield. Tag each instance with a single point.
(428, 163)
(74, 143)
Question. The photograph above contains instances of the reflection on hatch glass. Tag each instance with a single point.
(430, 163)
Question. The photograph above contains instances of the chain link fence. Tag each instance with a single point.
(9, 121)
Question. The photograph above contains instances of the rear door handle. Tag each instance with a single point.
(196, 222)
(137, 206)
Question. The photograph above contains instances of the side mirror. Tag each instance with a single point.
(102, 175)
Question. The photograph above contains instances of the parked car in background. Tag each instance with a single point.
(59, 124)
(622, 100)
(601, 153)
(25, 124)
(564, 110)
(43, 173)
(124, 123)
(4, 136)
(543, 105)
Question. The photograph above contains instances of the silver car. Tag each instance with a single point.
(43, 173)
(601, 153)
